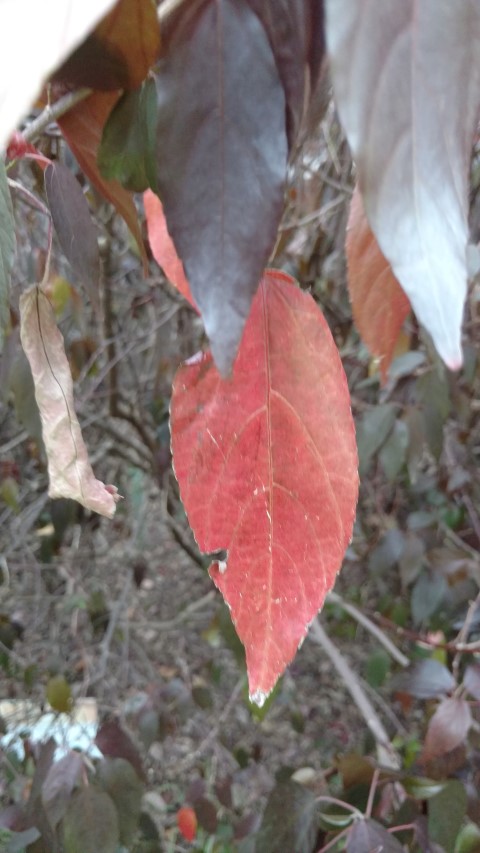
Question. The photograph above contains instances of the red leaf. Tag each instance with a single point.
(267, 467)
(162, 246)
(187, 823)
(447, 728)
(82, 128)
(406, 78)
(378, 302)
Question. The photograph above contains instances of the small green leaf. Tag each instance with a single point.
(90, 824)
(125, 788)
(445, 814)
(127, 149)
(7, 251)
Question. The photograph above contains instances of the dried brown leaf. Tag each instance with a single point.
(69, 469)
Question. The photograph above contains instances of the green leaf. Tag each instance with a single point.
(445, 814)
(373, 430)
(125, 788)
(90, 824)
(289, 821)
(127, 149)
(7, 251)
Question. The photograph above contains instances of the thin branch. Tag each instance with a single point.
(387, 755)
(52, 112)
(370, 626)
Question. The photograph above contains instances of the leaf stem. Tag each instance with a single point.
(387, 755)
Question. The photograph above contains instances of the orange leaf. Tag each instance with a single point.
(267, 467)
(378, 302)
(82, 128)
(162, 246)
(119, 53)
(69, 470)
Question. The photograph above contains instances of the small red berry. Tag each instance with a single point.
(187, 822)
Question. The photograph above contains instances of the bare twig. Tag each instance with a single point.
(370, 626)
(213, 733)
(387, 754)
(52, 112)
(183, 616)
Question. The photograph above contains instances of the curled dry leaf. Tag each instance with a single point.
(379, 304)
(69, 469)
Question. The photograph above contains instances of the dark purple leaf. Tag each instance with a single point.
(368, 835)
(290, 820)
(448, 727)
(471, 680)
(74, 225)
(206, 815)
(406, 77)
(295, 32)
(59, 784)
(114, 742)
(426, 680)
(222, 125)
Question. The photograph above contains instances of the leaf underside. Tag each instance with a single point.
(406, 77)
(267, 468)
(224, 198)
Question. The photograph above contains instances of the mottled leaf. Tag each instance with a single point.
(114, 742)
(448, 727)
(59, 784)
(119, 53)
(290, 820)
(406, 77)
(90, 823)
(222, 123)
(368, 835)
(267, 468)
(23, 70)
(379, 304)
(428, 679)
(7, 251)
(123, 785)
(74, 226)
(446, 811)
(127, 149)
(162, 246)
(82, 127)
(69, 470)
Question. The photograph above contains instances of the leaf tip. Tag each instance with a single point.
(258, 697)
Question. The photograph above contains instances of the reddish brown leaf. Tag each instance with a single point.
(119, 53)
(69, 470)
(114, 742)
(447, 728)
(162, 246)
(378, 302)
(82, 128)
(267, 467)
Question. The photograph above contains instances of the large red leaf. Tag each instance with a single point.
(378, 302)
(407, 82)
(82, 127)
(162, 246)
(221, 158)
(267, 468)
